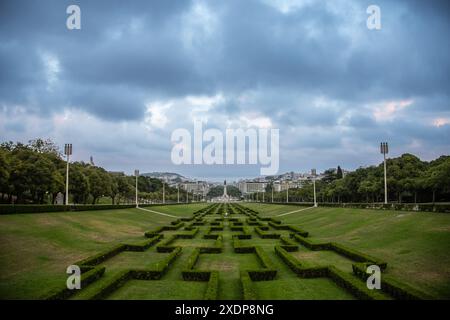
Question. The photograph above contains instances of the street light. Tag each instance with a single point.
(68, 153)
(136, 174)
(313, 173)
(164, 190)
(272, 192)
(384, 149)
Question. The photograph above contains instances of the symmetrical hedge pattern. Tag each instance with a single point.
(231, 229)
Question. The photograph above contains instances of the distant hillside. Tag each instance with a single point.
(168, 176)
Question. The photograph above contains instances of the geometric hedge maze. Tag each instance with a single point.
(227, 251)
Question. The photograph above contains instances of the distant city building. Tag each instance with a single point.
(200, 187)
(251, 186)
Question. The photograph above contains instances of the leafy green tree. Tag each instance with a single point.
(4, 172)
(78, 183)
(339, 174)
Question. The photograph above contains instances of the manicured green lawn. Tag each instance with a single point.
(35, 250)
(160, 290)
(416, 245)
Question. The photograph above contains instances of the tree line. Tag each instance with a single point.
(409, 180)
(35, 173)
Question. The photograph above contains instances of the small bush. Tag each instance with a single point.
(248, 289)
(212, 289)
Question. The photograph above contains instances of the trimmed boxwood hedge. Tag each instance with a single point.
(242, 247)
(294, 229)
(40, 208)
(340, 249)
(115, 283)
(268, 272)
(248, 289)
(102, 256)
(266, 235)
(288, 244)
(156, 231)
(157, 271)
(187, 234)
(217, 248)
(425, 207)
(350, 283)
(165, 246)
(344, 280)
(212, 289)
(86, 278)
(143, 245)
(357, 255)
(394, 288)
(311, 245)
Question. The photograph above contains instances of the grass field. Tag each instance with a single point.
(415, 244)
(35, 250)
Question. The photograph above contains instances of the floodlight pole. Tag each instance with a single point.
(67, 152)
(287, 193)
(164, 193)
(272, 192)
(384, 149)
(178, 193)
(313, 173)
(136, 173)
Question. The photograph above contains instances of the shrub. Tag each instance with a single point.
(187, 235)
(163, 265)
(288, 244)
(356, 255)
(396, 289)
(311, 245)
(102, 256)
(242, 247)
(298, 230)
(86, 279)
(212, 289)
(164, 246)
(143, 245)
(296, 266)
(357, 288)
(266, 235)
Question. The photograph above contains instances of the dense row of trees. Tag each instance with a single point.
(35, 173)
(409, 180)
(217, 191)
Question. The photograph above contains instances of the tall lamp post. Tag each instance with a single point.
(164, 191)
(384, 149)
(287, 192)
(313, 173)
(272, 192)
(136, 174)
(68, 153)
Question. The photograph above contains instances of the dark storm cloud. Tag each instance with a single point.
(314, 70)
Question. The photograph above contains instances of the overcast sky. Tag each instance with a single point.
(137, 70)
